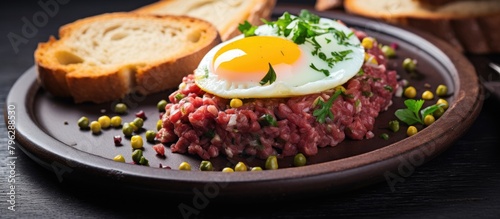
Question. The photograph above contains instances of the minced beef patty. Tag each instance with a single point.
(200, 123)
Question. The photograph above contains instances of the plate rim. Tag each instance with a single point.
(327, 175)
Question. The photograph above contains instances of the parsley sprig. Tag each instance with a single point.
(324, 109)
(270, 77)
(247, 29)
(305, 28)
(412, 114)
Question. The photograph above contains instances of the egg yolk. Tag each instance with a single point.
(248, 59)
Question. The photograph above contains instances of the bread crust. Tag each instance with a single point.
(262, 9)
(467, 33)
(98, 84)
(256, 10)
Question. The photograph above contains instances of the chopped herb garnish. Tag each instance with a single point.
(270, 76)
(209, 134)
(206, 73)
(361, 72)
(267, 119)
(357, 103)
(324, 109)
(367, 93)
(412, 114)
(305, 28)
(247, 29)
(389, 88)
(324, 71)
(306, 15)
(342, 37)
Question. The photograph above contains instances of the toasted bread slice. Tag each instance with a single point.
(470, 26)
(105, 57)
(224, 14)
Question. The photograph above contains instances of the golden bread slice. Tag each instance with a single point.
(470, 26)
(105, 57)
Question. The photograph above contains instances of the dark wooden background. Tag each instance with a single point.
(463, 182)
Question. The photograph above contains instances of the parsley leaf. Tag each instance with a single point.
(430, 109)
(283, 23)
(412, 113)
(247, 29)
(308, 16)
(270, 77)
(407, 116)
(325, 108)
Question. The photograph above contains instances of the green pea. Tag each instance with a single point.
(271, 163)
(159, 125)
(409, 64)
(439, 112)
(134, 127)
(206, 166)
(138, 122)
(95, 127)
(150, 135)
(394, 125)
(388, 51)
(161, 105)
(299, 160)
(384, 136)
(136, 155)
(143, 161)
(83, 122)
(441, 90)
(120, 108)
(127, 129)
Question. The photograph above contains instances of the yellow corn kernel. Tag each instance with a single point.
(410, 92)
(412, 130)
(119, 158)
(367, 42)
(235, 103)
(427, 95)
(429, 119)
(185, 166)
(227, 170)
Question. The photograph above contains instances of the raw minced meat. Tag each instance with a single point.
(200, 123)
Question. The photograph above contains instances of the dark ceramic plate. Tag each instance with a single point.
(47, 131)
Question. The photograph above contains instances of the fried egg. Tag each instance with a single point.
(270, 64)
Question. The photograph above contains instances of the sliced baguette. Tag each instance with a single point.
(108, 56)
(470, 26)
(224, 14)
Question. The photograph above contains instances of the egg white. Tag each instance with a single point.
(305, 80)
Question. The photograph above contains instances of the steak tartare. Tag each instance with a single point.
(200, 123)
